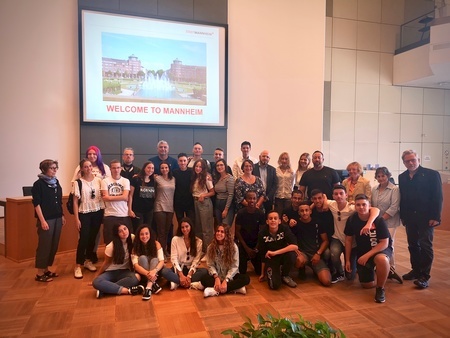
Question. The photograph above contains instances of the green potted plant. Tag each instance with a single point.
(275, 327)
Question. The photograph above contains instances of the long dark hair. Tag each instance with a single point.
(141, 249)
(141, 173)
(200, 178)
(118, 250)
(228, 247)
(169, 175)
(192, 238)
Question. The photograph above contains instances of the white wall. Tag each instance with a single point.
(276, 71)
(373, 121)
(39, 90)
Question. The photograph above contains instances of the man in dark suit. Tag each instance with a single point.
(420, 211)
(268, 176)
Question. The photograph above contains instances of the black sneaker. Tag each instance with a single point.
(269, 277)
(156, 288)
(337, 277)
(379, 295)
(410, 275)
(394, 275)
(147, 294)
(136, 290)
(422, 283)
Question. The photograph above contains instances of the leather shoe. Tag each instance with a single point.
(410, 275)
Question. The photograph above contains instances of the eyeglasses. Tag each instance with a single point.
(339, 216)
(54, 168)
(188, 255)
(92, 194)
(128, 154)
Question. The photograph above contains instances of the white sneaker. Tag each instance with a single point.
(241, 290)
(88, 265)
(77, 273)
(197, 286)
(173, 286)
(210, 292)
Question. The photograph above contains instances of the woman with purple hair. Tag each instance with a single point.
(99, 169)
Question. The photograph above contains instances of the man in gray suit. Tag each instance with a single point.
(268, 176)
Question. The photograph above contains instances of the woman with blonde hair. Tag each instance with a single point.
(285, 183)
(303, 164)
(355, 183)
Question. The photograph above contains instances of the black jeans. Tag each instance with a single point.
(90, 225)
(239, 280)
(281, 265)
(420, 246)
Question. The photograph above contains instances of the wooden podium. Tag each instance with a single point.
(21, 234)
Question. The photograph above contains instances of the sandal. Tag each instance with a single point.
(50, 274)
(43, 278)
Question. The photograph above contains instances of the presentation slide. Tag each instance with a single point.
(151, 71)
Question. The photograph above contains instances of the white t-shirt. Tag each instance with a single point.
(343, 215)
(126, 261)
(116, 188)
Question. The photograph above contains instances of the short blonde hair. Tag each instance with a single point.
(357, 165)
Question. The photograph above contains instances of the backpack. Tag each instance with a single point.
(70, 202)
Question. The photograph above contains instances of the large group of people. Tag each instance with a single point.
(284, 220)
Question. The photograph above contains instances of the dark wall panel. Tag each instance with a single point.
(211, 11)
(180, 9)
(141, 139)
(100, 4)
(142, 7)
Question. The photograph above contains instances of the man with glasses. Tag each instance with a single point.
(420, 211)
(128, 169)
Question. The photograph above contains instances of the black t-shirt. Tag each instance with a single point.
(364, 243)
(283, 238)
(291, 214)
(326, 219)
(323, 179)
(183, 195)
(308, 235)
(251, 224)
(144, 194)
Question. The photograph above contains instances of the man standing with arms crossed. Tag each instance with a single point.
(420, 212)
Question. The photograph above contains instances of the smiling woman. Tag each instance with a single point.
(222, 259)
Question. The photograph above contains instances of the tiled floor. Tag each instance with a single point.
(67, 307)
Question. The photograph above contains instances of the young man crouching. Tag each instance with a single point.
(373, 247)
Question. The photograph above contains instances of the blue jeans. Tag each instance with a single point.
(115, 280)
(148, 264)
(171, 276)
(336, 249)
